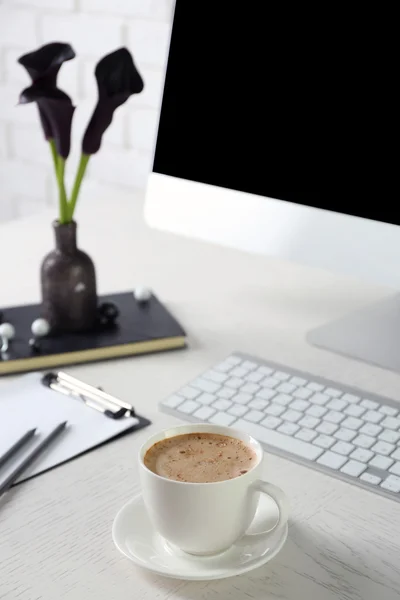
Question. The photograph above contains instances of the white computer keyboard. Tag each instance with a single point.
(350, 434)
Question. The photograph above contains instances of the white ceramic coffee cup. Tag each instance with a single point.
(207, 518)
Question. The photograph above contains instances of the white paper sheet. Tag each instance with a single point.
(26, 404)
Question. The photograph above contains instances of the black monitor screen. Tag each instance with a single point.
(244, 108)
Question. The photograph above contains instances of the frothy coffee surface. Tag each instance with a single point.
(200, 458)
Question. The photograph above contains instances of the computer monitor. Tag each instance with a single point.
(228, 136)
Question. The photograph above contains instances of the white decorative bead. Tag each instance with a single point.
(141, 293)
(7, 331)
(40, 327)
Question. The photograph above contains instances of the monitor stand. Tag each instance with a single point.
(371, 334)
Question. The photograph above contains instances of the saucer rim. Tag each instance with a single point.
(205, 577)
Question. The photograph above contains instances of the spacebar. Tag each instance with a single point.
(279, 440)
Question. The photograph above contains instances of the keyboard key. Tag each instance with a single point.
(369, 404)
(343, 448)
(392, 484)
(332, 460)
(334, 417)
(346, 435)
(222, 404)
(291, 415)
(206, 386)
(307, 435)
(258, 404)
(233, 360)
(390, 423)
(189, 406)
(364, 441)
(288, 428)
(369, 478)
(226, 392)
(325, 441)
(302, 392)
(315, 387)
(275, 410)
(326, 428)
(204, 413)
(242, 398)
(235, 382)
(319, 399)
(381, 462)
(298, 381)
(237, 410)
(249, 365)
(221, 418)
(389, 411)
(352, 423)
(274, 438)
(371, 429)
(316, 411)
(173, 401)
(254, 416)
(189, 393)
(215, 376)
(281, 375)
(332, 392)
(309, 422)
(354, 468)
(336, 404)
(270, 382)
(373, 416)
(351, 398)
(395, 469)
(206, 398)
(383, 448)
(266, 394)
(362, 454)
(255, 377)
(283, 399)
(388, 435)
(271, 422)
(250, 388)
(265, 370)
(354, 410)
(300, 405)
(286, 388)
(224, 366)
(239, 372)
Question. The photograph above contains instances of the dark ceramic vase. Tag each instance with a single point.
(68, 281)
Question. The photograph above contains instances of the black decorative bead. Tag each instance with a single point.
(34, 345)
(108, 313)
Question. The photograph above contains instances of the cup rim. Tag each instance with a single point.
(228, 431)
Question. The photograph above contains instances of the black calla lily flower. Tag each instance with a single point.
(117, 79)
(57, 109)
(43, 66)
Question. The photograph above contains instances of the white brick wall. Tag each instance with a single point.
(17, 26)
(3, 141)
(93, 27)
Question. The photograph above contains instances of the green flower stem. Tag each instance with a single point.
(78, 180)
(61, 187)
(54, 153)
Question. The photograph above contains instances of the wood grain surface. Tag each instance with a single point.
(55, 530)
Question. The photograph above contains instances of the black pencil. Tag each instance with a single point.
(7, 483)
(15, 447)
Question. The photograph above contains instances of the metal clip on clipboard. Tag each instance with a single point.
(93, 397)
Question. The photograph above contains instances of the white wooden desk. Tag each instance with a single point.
(55, 530)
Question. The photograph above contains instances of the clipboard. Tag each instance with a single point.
(31, 402)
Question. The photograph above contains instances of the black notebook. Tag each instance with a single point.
(140, 328)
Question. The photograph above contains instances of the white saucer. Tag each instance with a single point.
(136, 539)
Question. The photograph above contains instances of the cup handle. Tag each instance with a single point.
(281, 501)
